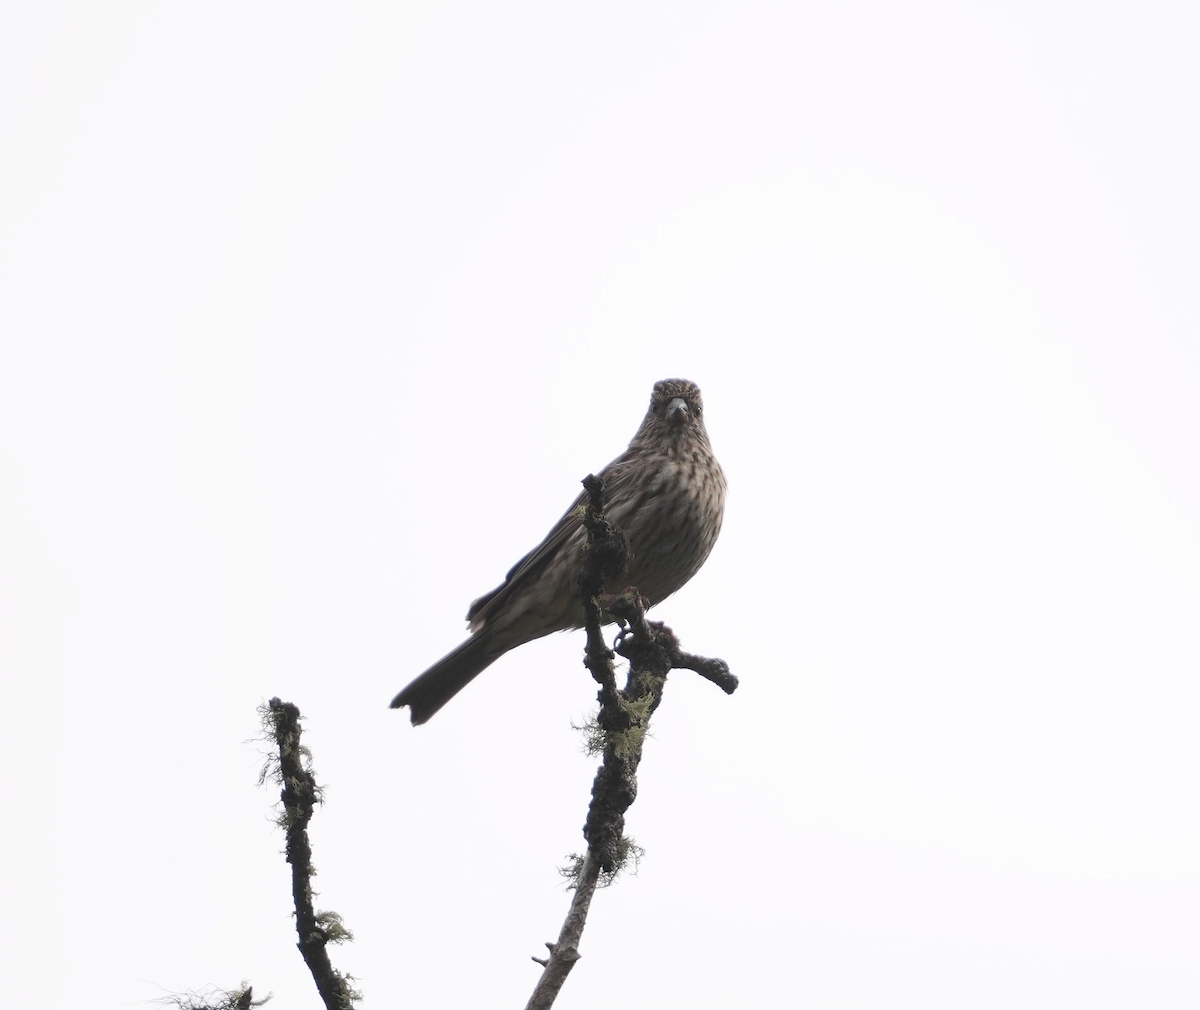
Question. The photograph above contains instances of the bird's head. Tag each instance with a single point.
(676, 411)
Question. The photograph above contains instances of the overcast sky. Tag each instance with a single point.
(313, 318)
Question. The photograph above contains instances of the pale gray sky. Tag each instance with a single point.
(313, 320)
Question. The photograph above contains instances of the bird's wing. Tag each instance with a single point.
(616, 476)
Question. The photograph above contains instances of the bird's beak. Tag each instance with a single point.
(677, 411)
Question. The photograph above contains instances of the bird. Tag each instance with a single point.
(667, 494)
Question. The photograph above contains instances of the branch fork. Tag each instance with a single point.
(652, 650)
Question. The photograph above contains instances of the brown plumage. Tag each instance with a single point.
(666, 491)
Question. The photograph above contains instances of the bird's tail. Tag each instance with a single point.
(449, 675)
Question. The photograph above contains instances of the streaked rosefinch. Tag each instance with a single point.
(666, 492)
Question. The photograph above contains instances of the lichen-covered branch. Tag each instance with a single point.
(623, 720)
(299, 795)
(214, 998)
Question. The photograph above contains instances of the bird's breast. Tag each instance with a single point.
(671, 520)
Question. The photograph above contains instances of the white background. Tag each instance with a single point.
(313, 319)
